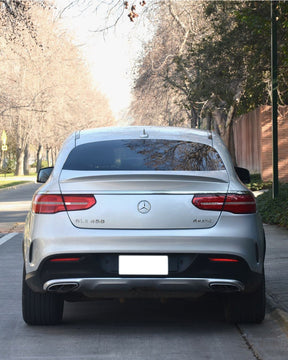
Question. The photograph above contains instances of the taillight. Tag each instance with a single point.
(53, 203)
(79, 202)
(209, 202)
(234, 203)
(47, 204)
(240, 204)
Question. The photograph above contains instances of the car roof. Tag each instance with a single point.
(132, 132)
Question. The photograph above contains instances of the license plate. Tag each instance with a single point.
(143, 265)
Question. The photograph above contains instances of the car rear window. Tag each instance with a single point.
(144, 154)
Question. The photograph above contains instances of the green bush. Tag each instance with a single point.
(44, 163)
(258, 184)
(8, 167)
(274, 211)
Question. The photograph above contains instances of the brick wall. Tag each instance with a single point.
(267, 145)
(253, 143)
(247, 139)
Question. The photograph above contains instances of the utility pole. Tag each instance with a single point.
(274, 71)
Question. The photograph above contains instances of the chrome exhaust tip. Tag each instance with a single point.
(226, 287)
(62, 288)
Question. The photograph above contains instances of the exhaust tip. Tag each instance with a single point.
(226, 287)
(63, 287)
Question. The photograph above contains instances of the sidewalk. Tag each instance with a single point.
(276, 269)
(10, 227)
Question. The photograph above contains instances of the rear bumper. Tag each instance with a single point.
(142, 287)
(96, 275)
(133, 287)
(241, 237)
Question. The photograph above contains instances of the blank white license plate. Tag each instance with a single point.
(143, 265)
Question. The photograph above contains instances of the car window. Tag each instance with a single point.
(144, 154)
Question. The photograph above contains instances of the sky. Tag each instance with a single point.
(111, 55)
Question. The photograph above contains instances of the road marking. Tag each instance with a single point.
(15, 206)
(7, 237)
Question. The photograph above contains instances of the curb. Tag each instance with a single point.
(18, 185)
(277, 313)
(282, 318)
(7, 228)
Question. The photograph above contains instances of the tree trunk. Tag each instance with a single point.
(209, 121)
(19, 162)
(55, 156)
(225, 129)
(26, 160)
(232, 144)
(48, 156)
(228, 138)
(39, 158)
(52, 156)
(194, 118)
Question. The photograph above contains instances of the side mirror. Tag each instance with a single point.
(43, 174)
(243, 174)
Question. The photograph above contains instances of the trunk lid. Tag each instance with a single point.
(143, 200)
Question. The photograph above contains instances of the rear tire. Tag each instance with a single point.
(247, 308)
(41, 309)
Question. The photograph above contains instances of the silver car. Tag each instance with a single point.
(143, 212)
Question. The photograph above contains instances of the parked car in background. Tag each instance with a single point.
(143, 212)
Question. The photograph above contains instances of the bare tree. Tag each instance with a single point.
(170, 98)
(185, 63)
(46, 89)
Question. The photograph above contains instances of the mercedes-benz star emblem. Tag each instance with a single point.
(144, 207)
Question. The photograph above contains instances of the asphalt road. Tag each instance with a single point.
(130, 330)
(15, 201)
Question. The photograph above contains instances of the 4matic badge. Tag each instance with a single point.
(202, 221)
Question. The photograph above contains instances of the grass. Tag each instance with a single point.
(274, 211)
(9, 180)
(4, 175)
(6, 184)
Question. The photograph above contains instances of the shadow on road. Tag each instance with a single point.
(145, 312)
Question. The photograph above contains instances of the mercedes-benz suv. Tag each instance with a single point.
(143, 212)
